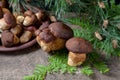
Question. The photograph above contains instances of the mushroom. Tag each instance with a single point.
(54, 37)
(8, 39)
(7, 21)
(20, 19)
(41, 15)
(16, 30)
(29, 19)
(26, 36)
(78, 47)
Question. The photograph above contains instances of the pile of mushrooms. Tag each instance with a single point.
(17, 29)
(50, 34)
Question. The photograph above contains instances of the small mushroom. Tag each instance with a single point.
(29, 20)
(8, 39)
(78, 47)
(20, 19)
(16, 30)
(54, 37)
(46, 40)
(7, 21)
(26, 36)
(41, 15)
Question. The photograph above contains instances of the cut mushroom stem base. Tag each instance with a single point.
(76, 59)
(51, 46)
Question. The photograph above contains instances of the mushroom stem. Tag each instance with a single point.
(75, 59)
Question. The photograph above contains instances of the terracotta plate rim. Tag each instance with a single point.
(16, 48)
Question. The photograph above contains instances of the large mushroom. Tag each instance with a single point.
(8, 39)
(54, 37)
(78, 47)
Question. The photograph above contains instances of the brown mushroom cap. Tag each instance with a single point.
(7, 38)
(28, 13)
(78, 45)
(44, 25)
(46, 36)
(61, 30)
(10, 19)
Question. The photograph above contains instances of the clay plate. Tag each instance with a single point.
(20, 47)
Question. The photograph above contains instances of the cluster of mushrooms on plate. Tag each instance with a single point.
(50, 34)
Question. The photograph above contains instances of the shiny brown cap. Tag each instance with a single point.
(10, 19)
(78, 45)
(28, 13)
(61, 30)
(46, 36)
(44, 25)
(7, 38)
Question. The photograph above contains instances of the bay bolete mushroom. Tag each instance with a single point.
(8, 39)
(7, 21)
(78, 47)
(30, 18)
(25, 37)
(20, 19)
(54, 37)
